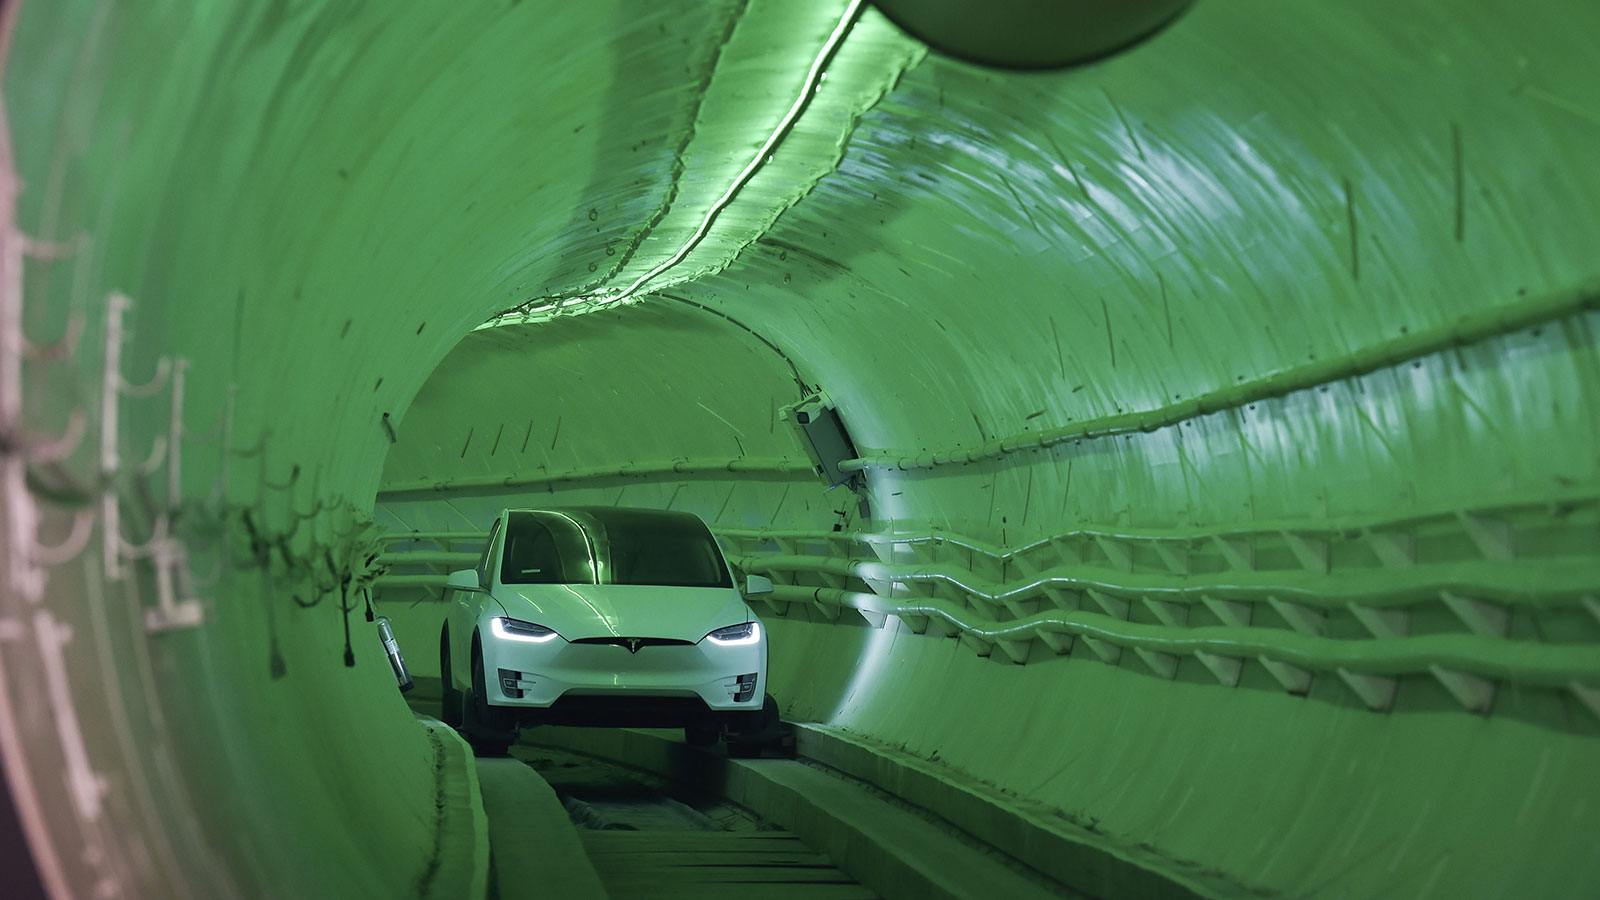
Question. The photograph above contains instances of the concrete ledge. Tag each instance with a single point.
(1037, 835)
(890, 849)
(537, 852)
(461, 856)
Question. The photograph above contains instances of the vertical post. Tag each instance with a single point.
(110, 386)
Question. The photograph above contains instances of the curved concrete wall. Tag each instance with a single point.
(1273, 273)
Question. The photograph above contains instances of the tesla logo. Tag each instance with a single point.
(633, 645)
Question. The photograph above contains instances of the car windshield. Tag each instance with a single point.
(611, 546)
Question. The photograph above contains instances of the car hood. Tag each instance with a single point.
(578, 611)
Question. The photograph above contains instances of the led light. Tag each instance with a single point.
(735, 635)
(518, 630)
(813, 82)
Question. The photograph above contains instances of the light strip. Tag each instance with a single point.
(813, 79)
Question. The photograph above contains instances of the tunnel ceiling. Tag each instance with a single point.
(546, 403)
(1272, 268)
(1116, 226)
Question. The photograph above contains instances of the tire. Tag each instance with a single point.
(763, 729)
(449, 697)
(700, 735)
(489, 730)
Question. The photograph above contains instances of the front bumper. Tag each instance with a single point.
(531, 676)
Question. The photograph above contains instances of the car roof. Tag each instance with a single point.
(632, 514)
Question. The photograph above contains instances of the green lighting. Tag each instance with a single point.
(1224, 412)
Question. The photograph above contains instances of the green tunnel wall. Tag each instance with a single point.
(1278, 271)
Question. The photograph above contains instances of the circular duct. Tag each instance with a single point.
(1031, 34)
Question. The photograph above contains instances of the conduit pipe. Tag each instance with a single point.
(1559, 580)
(1517, 662)
(1319, 528)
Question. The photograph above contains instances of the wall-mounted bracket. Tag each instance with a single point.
(1294, 679)
(1017, 651)
(1061, 644)
(1116, 552)
(1376, 691)
(1474, 693)
(1382, 623)
(1163, 664)
(1394, 549)
(1588, 696)
(1240, 553)
(1174, 556)
(978, 645)
(1116, 607)
(917, 624)
(1493, 537)
(1226, 668)
(1481, 617)
(1301, 618)
(1107, 651)
(1230, 612)
(1174, 615)
(1311, 553)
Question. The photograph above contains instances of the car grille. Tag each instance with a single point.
(611, 711)
(635, 642)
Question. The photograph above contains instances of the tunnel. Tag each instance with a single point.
(1210, 462)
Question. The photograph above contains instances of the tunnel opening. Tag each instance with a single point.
(1221, 412)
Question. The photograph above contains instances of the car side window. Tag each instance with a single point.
(488, 554)
(531, 555)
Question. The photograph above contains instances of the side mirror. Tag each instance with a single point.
(758, 584)
(465, 580)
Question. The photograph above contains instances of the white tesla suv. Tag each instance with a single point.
(603, 616)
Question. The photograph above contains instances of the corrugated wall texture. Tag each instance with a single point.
(1277, 331)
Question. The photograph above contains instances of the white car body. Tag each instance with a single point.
(553, 646)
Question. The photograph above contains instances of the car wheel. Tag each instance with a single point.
(760, 730)
(449, 697)
(700, 735)
(487, 729)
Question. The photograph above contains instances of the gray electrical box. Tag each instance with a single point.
(822, 433)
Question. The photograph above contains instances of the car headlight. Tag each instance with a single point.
(733, 635)
(518, 630)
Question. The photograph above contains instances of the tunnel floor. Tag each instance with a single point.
(715, 864)
(633, 813)
(648, 839)
(600, 796)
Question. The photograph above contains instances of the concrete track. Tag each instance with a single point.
(592, 813)
(648, 837)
